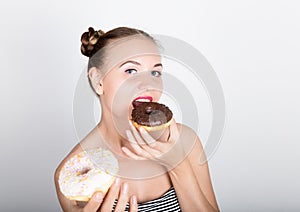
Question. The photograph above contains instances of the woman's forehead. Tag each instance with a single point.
(129, 47)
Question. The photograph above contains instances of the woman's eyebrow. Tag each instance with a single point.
(130, 61)
(158, 65)
(137, 63)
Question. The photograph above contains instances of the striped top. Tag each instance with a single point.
(165, 203)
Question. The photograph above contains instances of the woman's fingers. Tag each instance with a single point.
(133, 207)
(123, 198)
(156, 148)
(131, 154)
(136, 134)
(144, 146)
(94, 203)
(118, 194)
(174, 133)
(111, 196)
(147, 137)
(139, 150)
(133, 143)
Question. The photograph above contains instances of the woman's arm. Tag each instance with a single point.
(65, 203)
(191, 179)
(190, 195)
(181, 156)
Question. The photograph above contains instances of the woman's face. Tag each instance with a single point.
(136, 75)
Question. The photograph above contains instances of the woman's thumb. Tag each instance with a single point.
(95, 202)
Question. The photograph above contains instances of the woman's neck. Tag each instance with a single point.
(114, 137)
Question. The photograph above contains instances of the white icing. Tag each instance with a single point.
(87, 172)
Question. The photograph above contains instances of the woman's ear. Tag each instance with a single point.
(95, 78)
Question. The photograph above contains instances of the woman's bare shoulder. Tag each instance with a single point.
(190, 140)
(77, 149)
(86, 143)
(186, 130)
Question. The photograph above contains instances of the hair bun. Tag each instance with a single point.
(89, 40)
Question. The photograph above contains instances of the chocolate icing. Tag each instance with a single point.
(150, 113)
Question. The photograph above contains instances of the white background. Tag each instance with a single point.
(253, 46)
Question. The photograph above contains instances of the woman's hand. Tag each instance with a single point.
(99, 202)
(144, 146)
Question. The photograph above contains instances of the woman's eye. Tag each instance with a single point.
(131, 71)
(156, 73)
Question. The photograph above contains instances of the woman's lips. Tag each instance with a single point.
(143, 99)
(140, 99)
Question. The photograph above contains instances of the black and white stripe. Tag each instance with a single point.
(166, 203)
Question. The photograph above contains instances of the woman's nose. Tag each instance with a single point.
(145, 82)
(141, 85)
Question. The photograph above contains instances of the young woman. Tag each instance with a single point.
(156, 172)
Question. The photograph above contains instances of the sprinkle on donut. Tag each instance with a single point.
(89, 171)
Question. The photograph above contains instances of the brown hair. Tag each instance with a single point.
(94, 41)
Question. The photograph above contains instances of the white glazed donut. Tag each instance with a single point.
(89, 171)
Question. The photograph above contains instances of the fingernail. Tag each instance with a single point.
(117, 182)
(133, 200)
(127, 133)
(125, 188)
(142, 129)
(98, 197)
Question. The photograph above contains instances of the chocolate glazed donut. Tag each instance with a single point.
(151, 115)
